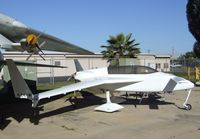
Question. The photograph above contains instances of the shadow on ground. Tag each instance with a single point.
(21, 109)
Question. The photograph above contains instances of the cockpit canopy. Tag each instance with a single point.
(135, 69)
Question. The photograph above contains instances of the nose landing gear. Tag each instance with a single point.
(185, 105)
(188, 107)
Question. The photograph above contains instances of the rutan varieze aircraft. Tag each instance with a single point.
(108, 79)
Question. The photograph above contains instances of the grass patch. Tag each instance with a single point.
(49, 86)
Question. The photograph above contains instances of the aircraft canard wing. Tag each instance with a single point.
(84, 85)
(56, 44)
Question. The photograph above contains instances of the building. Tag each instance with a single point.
(159, 62)
(156, 61)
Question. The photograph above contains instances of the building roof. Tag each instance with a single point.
(155, 55)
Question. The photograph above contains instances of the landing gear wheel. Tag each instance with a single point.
(188, 106)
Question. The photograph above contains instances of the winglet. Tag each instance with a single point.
(78, 65)
(20, 87)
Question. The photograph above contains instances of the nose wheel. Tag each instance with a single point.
(188, 107)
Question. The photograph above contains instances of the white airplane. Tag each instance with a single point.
(16, 36)
(108, 79)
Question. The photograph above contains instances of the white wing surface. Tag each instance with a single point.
(83, 85)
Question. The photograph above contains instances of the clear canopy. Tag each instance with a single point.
(135, 69)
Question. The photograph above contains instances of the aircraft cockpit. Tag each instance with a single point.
(135, 69)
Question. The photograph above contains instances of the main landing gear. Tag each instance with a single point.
(108, 106)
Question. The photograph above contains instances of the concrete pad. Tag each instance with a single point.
(150, 119)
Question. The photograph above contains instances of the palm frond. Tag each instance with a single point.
(120, 46)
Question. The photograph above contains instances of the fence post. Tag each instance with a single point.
(188, 70)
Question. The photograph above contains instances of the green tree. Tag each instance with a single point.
(190, 55)
(193, 16)
(187, 55)
(120, 46)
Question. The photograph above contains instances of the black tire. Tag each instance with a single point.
(188, 107)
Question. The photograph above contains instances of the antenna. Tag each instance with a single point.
(173, 51)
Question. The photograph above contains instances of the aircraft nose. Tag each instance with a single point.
(19, 24)
(190, 84)
(183, 84)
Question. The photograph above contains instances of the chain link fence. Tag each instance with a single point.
(187, 68)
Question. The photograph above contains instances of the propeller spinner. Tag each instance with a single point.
(31, 39)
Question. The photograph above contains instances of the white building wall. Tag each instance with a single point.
(147, 60)
(162, 62)
(87, 61)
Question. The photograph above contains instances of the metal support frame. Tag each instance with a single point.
(144, 94)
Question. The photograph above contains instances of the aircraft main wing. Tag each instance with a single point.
(83, 85)
(56, 44)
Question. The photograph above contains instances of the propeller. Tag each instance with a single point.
(32, 43)
(78, 68)
(72, 78)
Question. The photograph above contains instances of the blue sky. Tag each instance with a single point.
(158, 25)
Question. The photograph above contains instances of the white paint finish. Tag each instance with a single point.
(153, 82)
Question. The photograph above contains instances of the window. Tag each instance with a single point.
(158, 66)
(166, 65)
(57, 63)
(135, 69)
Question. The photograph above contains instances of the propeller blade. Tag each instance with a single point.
(27, 44)
(39, 48)
(70, 78)
(29, 57)
(42, 44)
(41, 57)
(39, 35)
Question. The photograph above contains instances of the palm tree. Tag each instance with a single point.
(193, 16)
(120, 46)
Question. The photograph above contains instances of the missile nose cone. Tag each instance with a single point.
(19, 24)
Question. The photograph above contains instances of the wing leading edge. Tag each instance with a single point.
(22, 90)
(102, 83)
